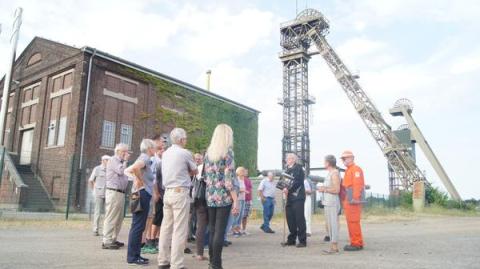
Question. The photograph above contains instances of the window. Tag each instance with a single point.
(108, 134)
(120, 100)
(35, 58)
(126, 132)
(8, 119)
(29, 104)
(60, 98)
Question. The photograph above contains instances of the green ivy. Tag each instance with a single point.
(199, 114)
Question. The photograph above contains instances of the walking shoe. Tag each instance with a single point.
(237, 234)
(309, 234)
(326, 238)
(287, 244)
(352, 248)
(149, 250)
(191, 239)
(138, 262)
(145, 259)
(187, 251)
(301, 245)
(269, 231)
(120, 244)
(96, 234)
(167, 266)
(110, 246)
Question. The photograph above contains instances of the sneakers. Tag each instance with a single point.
(269, 231)
(352, 248)
(148, 249)
(110, 246)
(119, 244)
(326, 238)
(187, 251)
(138, 261)
(237, 234)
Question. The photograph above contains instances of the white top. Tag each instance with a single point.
(241, 184)
(330, 199)
(267, 187)
(177, 163)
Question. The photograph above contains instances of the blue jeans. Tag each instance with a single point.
(229, 226)
(139, 221)
(268, 208)
(237, 220)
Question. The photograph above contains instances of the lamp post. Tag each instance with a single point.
(8, 76)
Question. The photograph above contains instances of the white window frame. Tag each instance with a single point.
(108, 136)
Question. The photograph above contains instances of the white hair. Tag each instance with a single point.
(177, 134)
(222, 141)
(293, 155)
(120, 147)
(147, 144)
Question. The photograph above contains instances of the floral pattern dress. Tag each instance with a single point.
(220, 177)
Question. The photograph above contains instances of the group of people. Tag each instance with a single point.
(182, 196)
(347, 194)
(169, 206)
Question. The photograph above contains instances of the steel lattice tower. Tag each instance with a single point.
(296, 100)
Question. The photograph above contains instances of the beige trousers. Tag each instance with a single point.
(174, 229)
(99, 205)
(114, 210)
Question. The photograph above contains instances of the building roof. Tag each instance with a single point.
(118, 60)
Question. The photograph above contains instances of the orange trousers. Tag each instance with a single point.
(352, 214)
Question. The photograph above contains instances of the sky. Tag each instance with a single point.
(426, 51)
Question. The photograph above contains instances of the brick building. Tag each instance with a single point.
(52, 145)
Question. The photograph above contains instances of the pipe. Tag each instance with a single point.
(90, 63)
(209, 73)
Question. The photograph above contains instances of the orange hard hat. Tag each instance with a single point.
(346, 154)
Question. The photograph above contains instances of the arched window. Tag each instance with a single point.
(35, 58)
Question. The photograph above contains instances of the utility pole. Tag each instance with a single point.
(17, 22)
(209, 74)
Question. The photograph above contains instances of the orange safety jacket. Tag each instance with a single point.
(353, 185)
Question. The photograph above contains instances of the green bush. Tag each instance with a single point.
(405, 199)
(435, 196)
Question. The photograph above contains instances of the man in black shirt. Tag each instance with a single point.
(295, 204)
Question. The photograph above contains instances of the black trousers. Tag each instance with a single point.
(296, 221)
(201, 212)
(217, 223)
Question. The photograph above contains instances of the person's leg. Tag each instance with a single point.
(109, 221)
(299, 208)
(266, 214)
(181, 210)
(212, 218)
(222, 215)
(139, 221)
(229, 226)
(201, 212)
(166, 231)
(120, 212)
(96, 214)
(308, 214)
(333, 226)
(354, 228)
(292, 225)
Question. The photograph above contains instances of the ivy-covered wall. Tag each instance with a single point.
(199, 114)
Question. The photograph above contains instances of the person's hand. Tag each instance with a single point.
(285, 191)
(156, 198)
(126, 156)
(138, 183)
(321, 189)
(354, 201)
(235, 210)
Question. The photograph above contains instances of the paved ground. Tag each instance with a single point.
(426, 242)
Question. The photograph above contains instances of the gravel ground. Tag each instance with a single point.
(425, 242)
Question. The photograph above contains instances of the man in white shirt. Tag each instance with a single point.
(97, 185)
(266, 192)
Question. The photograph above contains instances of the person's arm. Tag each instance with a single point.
(135, 169)
(357, 185)
(92, 179)
(260, 191)
(117, 167)
(192, 166)
(229, 181)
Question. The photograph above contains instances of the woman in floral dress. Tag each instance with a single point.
(220, 194)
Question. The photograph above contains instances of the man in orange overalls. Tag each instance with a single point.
(352, 195)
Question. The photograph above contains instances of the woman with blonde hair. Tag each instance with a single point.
(220, 194)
